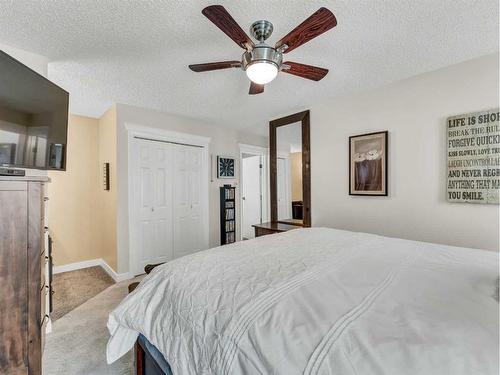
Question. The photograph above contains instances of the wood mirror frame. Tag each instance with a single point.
(302, 117)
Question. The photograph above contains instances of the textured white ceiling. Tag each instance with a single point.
(137, 52)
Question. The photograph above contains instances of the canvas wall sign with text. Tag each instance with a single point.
(368, 164)
(473, 174)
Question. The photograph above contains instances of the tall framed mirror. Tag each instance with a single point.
(290, 169)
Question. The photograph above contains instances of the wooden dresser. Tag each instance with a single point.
(22, 270)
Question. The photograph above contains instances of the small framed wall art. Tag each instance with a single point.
(105, 176)
(225, 167)
(368, 156)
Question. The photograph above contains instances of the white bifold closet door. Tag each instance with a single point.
(167, 194)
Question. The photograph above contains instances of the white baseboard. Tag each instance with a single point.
(116, 276)
(92, 263)
(77, 265)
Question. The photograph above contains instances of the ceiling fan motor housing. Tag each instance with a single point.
(262, 53)
(261, 30)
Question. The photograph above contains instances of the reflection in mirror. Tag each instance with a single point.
(24, 138)
(289, 172)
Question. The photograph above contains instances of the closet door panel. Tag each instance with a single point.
(145, 204)
(153, 204)
(147, 234)
(188, 228)
(181, 201)
(163, 209)
(195, 199)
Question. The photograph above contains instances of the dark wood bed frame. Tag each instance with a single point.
(145, 363)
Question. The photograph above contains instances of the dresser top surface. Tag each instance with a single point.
(25, 178)
(278, 227)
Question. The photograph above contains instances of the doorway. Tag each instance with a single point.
(254, 210)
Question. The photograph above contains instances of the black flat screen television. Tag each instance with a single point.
(33, 118)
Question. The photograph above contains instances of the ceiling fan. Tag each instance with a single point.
(260, 61)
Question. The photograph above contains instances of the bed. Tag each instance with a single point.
(316, 301)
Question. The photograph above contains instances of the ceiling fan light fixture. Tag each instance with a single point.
(262, 72)
(260, 61)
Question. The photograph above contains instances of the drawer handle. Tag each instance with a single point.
(43, 320)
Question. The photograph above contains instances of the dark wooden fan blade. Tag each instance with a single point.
(215, 66)
(321, 21)
(223, 20)
(256, 89)
(305, 71)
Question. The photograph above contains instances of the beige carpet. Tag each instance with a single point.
(73, 288)
(77, 344)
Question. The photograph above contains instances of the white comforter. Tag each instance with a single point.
(319, 301)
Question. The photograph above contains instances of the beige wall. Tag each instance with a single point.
(82, 215)
(72, 193)
(296, 166)
(414, 111)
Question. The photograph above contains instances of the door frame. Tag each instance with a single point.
(263, 152)
(162, 135)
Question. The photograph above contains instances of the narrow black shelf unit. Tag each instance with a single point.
(227, 214)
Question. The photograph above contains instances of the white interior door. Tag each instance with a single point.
(153, 203)
(283, 200)
(251, 208)
(188, 216)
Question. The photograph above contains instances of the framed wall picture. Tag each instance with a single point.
(368, 155)
(225, 167)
